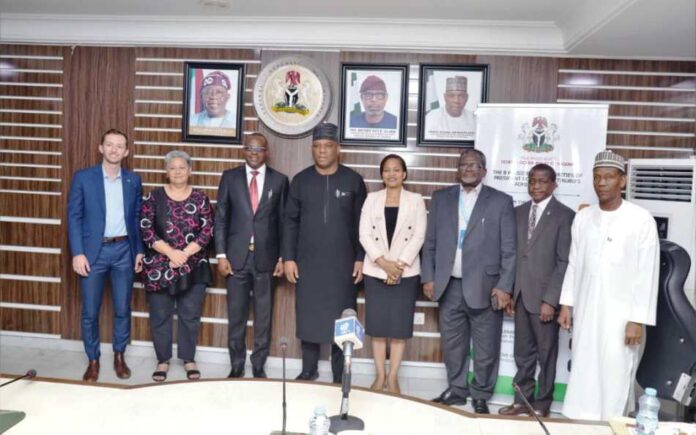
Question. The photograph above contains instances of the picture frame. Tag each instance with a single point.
(448, 97)
(373, 104)
(213, 102)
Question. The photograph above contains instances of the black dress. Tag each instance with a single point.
(389, 308)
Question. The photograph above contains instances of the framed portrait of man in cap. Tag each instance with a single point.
(213, 102)
(449, 95)
(373, 104)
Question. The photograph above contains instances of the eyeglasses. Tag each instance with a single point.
(374, 95)
(255, 149)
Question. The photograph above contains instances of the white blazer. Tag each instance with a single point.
(408, 237)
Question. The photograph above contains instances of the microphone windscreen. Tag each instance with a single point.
(349, 312)
(31, 373)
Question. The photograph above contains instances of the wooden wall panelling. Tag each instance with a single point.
(652, 103)
(31, 122)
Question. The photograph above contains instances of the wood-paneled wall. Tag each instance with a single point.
(56, 102)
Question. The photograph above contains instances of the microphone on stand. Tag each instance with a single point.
(283, 351)
(349, 335)
(30, 374)
(530, 408)
(10, 418)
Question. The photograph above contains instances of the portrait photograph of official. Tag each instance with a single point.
(213, 102)
(449, 96)
(373, 103)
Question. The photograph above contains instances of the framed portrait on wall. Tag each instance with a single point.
(374, 103)
(449, 95)
(213, 102)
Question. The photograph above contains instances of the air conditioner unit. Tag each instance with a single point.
(667, 187)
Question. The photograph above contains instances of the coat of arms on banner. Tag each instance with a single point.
(292, 95)
(540, 136)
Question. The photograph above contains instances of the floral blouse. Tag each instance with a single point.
(190, 220)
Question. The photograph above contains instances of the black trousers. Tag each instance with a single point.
(245, 285)
(188, 306)
(535, 342)
(310, 359)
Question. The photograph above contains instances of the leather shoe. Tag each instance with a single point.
(236, 372)
(449, 397)
(480, 406)
(92, 372)
(514, 409)
(307, 376)
(122, 370)
(259, 372)
(542, 412)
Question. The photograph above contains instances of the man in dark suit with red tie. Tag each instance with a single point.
(248, 225)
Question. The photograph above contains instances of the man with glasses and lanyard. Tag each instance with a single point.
(373, 96)
(468, 266)
(248, 228)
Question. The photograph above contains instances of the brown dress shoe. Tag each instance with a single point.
(514, 409)
(92, 372)
(122, 370)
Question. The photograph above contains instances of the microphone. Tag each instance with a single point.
(283, 351)
(30, 374)
(530, 408)
(349, 335)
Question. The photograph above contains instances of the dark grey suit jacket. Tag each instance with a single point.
(235, 222)
(488, 255)
(542, 261)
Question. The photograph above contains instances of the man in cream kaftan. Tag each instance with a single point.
(611, 284)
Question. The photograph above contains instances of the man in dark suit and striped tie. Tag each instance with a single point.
(248, 228)
(543, 242)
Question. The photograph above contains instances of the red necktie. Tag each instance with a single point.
(254, 191)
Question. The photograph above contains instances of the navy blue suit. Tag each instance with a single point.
(86, 222)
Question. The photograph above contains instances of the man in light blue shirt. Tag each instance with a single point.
(103, 229)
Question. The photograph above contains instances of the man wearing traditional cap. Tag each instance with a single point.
(454, 120)
(611, 286)
(320, 248)
(215, 92)
(373, 96)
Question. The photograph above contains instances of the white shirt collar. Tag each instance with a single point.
(475, 191)
(261, 169)
(542, 205)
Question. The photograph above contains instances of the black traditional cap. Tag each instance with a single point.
(325, 130)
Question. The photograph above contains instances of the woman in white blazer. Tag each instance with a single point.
(392, 231)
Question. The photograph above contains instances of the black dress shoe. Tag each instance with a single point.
(307, 376)
(449, 397)
(480, 406)
(236, 372)
(259, 372)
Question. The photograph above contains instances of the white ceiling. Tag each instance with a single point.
(611, 28)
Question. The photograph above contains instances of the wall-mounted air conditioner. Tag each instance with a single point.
(667, 187)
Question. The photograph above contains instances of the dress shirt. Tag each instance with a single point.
(540, 209)
(115, 225)
(467, 201)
